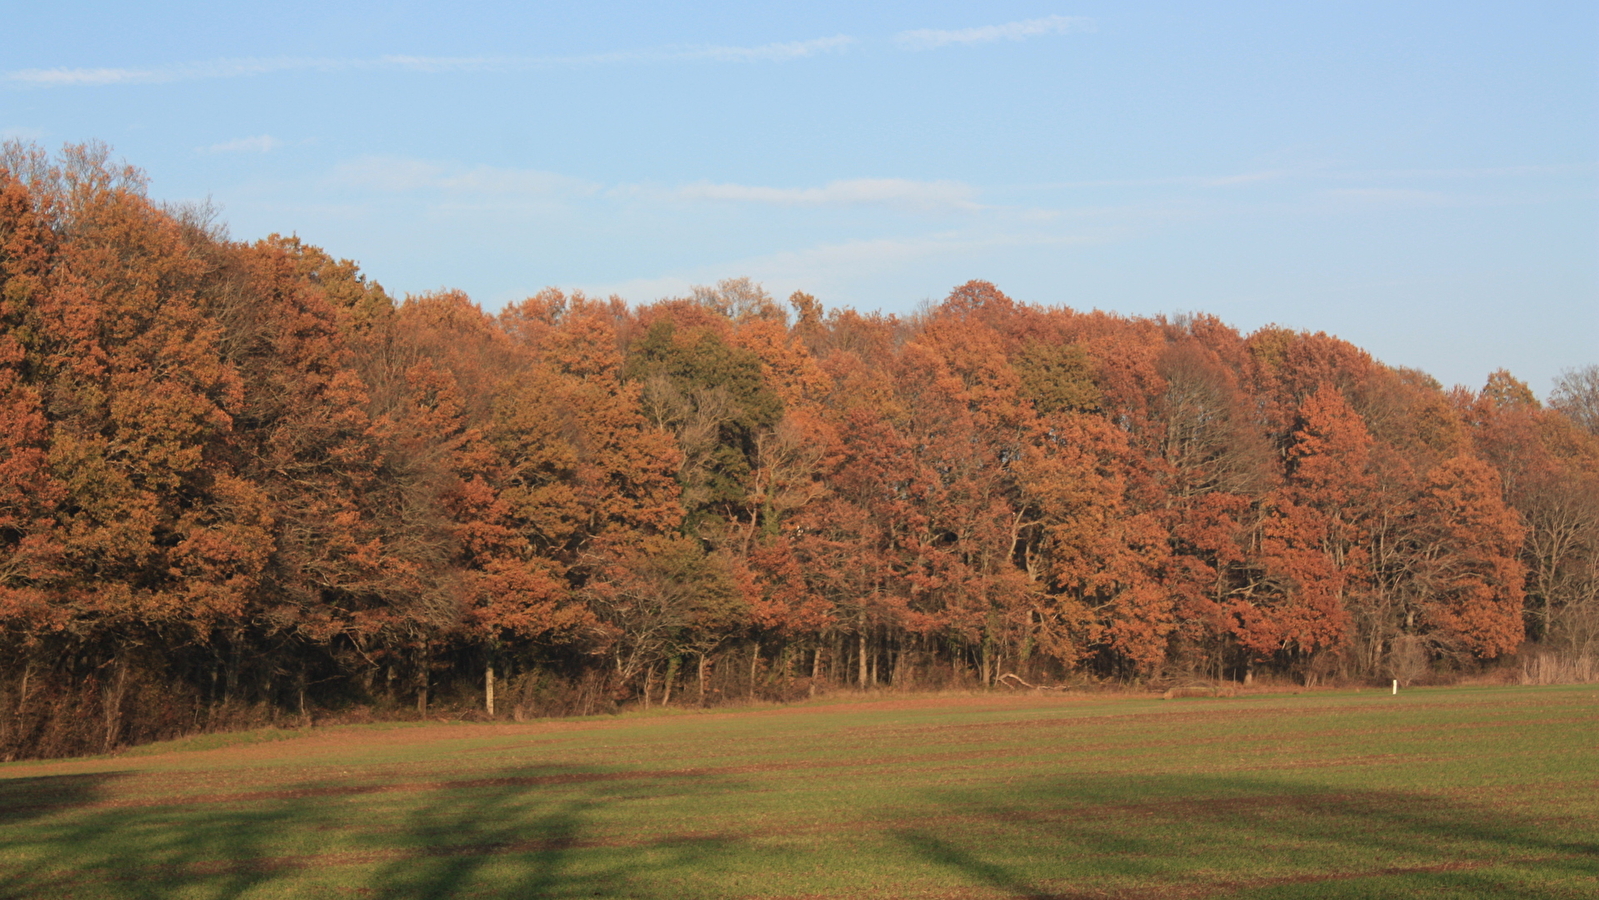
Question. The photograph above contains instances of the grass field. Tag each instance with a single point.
(1481, 792)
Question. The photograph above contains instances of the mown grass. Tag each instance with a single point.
(1434, 793)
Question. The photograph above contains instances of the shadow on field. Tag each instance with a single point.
(22, 799)
(572, 832)
(1203, 835)
(519, 833)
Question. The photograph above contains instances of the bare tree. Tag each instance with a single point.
(1576, 394)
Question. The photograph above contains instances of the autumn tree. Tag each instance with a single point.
(1576, 394)
(237, 476)
(969, 425)
(29, 548)
(588, 480)
(713, 398)
(158, 533)
(1469, 577)
(1548, 466)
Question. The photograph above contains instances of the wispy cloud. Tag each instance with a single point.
(925, 196)
(929, 39)
(1327, 172)
(889, 252)
(238, 68)
(217, 68)
(778, 52)
(1390, 196)
(497, 180)
(832, 267)
(1488, 172)
(1180, 180)
(1247, 178)
(401, 175)
(765, 53)
(387, 174)
(262, 143)
(647, 289)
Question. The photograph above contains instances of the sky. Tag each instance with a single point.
(1421, 179)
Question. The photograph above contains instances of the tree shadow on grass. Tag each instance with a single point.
(1207, 836)
(509, 834)
(494, 842)
(108, 846)
(576, 832)
(22, 799)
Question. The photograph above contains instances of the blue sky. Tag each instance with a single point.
(1419, 178)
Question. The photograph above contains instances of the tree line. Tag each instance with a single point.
(239, 480)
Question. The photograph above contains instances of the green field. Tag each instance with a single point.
(1480, 792)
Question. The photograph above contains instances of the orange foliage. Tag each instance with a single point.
(209, 447)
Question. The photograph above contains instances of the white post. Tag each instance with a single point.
(1396, 687)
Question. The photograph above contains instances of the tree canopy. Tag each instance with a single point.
(238, 473)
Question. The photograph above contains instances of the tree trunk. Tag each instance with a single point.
(22, 692)
(111, 701)
(671, 674)
(213, 686)
(364, 676)
(230, 687)
(488, 689)
(860, 653)
(422, 684)
(755, 664)
(702, 679)
(877, 653)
